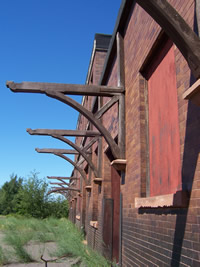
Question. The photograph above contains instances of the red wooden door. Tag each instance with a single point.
(164, 140)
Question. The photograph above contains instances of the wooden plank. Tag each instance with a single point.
(67, 141)
(55, 150)
(81, 171)
(63, 132)
(173, 24)
(91, 142)
(66, 189)
(72, 103)
(106, 107)
(121, 82)
(193, 93)
(63, 178)
(80, 151)
(70, 89)
(54, 183)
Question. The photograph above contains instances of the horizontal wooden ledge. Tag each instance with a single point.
(119, 164)
(97, 180)
(88, 187)
(177, 200)
(193, 93)
(94, 224)
(78, 217)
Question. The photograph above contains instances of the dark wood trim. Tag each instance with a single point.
(91, 142)
(80, 151)
(51, 132)
(121, 83)
(106, 107)
(62, 178)
(55, 150)
(81, 171)
(65, 189)
(72, 103)
(70, 89)
(61, 184)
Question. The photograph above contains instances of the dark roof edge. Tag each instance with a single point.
(122, 17)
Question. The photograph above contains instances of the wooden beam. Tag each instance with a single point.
(66, 189)
(177, 29)
(91, 142)
(80, 151)
(72, 103)
(61, 184)
(81, 171)
(61, 191)
(63, 151)
(121, 82)
(63, 132)
(63, 178)
(55, 150)
(70, 89)
(106, 107)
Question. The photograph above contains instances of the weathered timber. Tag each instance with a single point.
(178, 30)
(50, 132)
(70, 89)
(91, 142)
(67, 188)
(81, 171)
(72, 103)
(55, 150)
(80, 151)
(62, 190)
(63, 151)
(61, 184)
(106, 107)
(63, 178)
(193, 93)
(121, 82)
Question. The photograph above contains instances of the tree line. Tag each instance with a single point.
(28, 197)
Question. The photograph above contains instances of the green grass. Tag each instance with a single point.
(3, 257)
(20, 231)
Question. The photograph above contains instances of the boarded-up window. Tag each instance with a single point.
(164, 140)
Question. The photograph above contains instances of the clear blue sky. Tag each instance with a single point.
(44, 41)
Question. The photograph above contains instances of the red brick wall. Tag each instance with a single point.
(151, 236)
(162, 236)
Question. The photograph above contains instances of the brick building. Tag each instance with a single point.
(143, 211)
(136, 187)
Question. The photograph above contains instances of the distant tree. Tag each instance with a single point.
(29, 197)
(33, 200)
(32, 197)
(8, 195)
(57, 207)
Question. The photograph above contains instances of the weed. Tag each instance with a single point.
(3, 258)
(17, 241)
(20, 231)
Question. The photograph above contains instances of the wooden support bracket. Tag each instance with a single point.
(193, 93)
